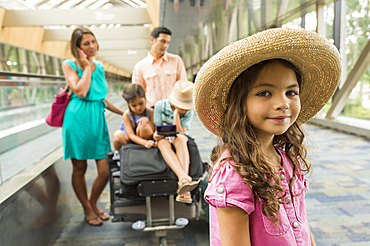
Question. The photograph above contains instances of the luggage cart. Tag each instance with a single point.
(150, 204)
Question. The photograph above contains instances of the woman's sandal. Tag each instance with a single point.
(95, 218)
(183, 199)
(187, 186)
(102, 213)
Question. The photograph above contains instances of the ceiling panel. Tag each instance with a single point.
(123, 33)
(115, 15)
(122, 45)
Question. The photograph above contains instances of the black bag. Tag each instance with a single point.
(141, 164)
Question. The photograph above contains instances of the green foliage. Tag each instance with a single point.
(354, 108)
(356, 111)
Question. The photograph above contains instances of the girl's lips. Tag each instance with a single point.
(279, 119)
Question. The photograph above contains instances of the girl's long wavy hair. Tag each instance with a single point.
(239, 138)
(131, 92)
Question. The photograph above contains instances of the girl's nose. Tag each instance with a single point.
(282, 105)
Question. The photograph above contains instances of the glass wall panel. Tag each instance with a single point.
(357, 36)
(25, 101)
(24, 137)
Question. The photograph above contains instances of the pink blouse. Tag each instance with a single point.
(227, 189)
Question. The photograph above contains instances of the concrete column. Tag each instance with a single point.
(320, 14)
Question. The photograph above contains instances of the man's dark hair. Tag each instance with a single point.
(161, 29)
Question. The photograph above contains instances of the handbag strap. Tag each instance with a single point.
(65, 89)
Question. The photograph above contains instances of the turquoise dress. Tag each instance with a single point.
(85, 132)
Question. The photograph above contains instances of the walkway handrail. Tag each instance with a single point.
(34, 75)
(30, 75)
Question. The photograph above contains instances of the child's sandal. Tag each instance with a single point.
(187, 186)
(183, 199)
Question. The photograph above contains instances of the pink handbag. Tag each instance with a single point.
(56, 116)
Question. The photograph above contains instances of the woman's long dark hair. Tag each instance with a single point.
(131, 92)
(244, 147)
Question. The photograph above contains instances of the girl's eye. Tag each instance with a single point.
(292, 93)
(264, 94)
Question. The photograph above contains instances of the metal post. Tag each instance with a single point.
(148, 212)
(303, 16)
(56, 66)
(51, 64)
(336, 30)
(172, 209)
(263, 14)
(18, 60)
(2, 57)
(28, 62)
(336, 25)
(24, 61)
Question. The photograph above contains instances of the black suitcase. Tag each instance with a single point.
(141, 164)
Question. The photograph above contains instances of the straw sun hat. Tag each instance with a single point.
(315, 57)
(182, 95)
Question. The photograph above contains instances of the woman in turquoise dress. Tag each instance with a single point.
(85, 131)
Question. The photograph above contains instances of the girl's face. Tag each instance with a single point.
(89, 45)
(273, 102)
(137, 105)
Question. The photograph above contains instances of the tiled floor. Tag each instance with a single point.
(338, 201)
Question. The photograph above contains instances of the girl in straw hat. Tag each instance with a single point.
(177, 109)
(255, 94)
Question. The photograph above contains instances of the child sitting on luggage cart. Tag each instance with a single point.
(137, 125)
(177, 109)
